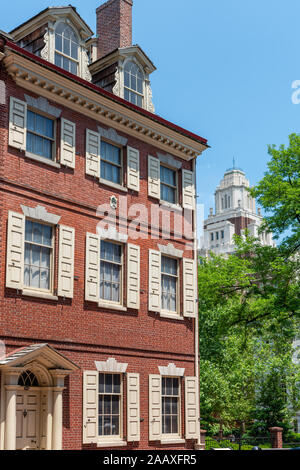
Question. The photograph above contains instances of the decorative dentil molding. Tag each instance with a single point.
(169, 160)
(113, 136)
(42, 104)
(112, 234)
(170, 250)
(41, 214)
(171, 370)
(111, 365)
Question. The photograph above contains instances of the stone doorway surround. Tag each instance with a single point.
(50, 368)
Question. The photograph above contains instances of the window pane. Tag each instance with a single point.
(40, 124)
(44, 283)
(66, 46)
(73, 67)
(117, 383)
(58, 60)
(37, 233)
(101, 383)
(107, 405)
(115, 425)
(74, 50)
(47, 235)
(58, 42)
(66, 64)
(30, 121)
(35, 277)
(108, 383)
(35, 255)
(115, 405)
(28, 230)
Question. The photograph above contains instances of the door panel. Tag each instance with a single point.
(28, 419)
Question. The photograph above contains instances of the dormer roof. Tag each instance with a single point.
(52, 14)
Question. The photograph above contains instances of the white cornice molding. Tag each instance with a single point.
(41, 214)
(59, 88)
(171, 370)
(113, 136)
(170, 250)
(112, 366)
(42, 104)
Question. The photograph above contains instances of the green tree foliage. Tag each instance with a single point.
(279, 192)
(248, 319)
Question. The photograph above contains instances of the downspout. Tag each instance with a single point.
(196, 300)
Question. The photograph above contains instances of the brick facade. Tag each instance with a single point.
(80, 330)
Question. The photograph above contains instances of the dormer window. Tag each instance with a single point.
(133, 84)
(66, 48)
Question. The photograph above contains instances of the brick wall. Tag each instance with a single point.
(81, 330)
(114, 26)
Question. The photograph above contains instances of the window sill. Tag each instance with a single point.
(112, 306)
(174, 440)
(39, 159)
(172, 316)
(175, 207)
(112, 443)
(113, 185)
(39, 295)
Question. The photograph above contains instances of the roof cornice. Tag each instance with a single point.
(55, 84)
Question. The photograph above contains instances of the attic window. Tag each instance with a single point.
(66, 48)
(133, 84)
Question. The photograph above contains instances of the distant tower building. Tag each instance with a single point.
(235, 211)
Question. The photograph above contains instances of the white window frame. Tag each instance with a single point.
(54, 140)
(30, 289)
(110, 303)
(165, 436)
(171, 313)
(111, 438)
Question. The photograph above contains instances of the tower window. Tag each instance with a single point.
(66, 48)
(133, 84)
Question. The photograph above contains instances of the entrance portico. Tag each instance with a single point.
(32, 383)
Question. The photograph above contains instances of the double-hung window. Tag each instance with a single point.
(169, 283)
(168, 184)
(110, 393)
(40, 135)
(66, 48)
(111, 272)
(38, 255)
(133, 84)
(111, 163)
(170, 395)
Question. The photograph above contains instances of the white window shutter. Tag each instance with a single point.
(189, 288)
(154, 407)
(66, 261)
(17, 124)
(90, 407)
(133, 169)
(133, 276)
(153, 177)
(15, 250)
(133, 407)
(192, 424)
(188, 189)
(92, 159)
(68, 143)
(154, 281)
(92, 268)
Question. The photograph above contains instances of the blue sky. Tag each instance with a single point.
(224, 71)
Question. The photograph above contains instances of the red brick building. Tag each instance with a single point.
(98, 296)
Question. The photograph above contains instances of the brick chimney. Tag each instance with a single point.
(114, 25)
